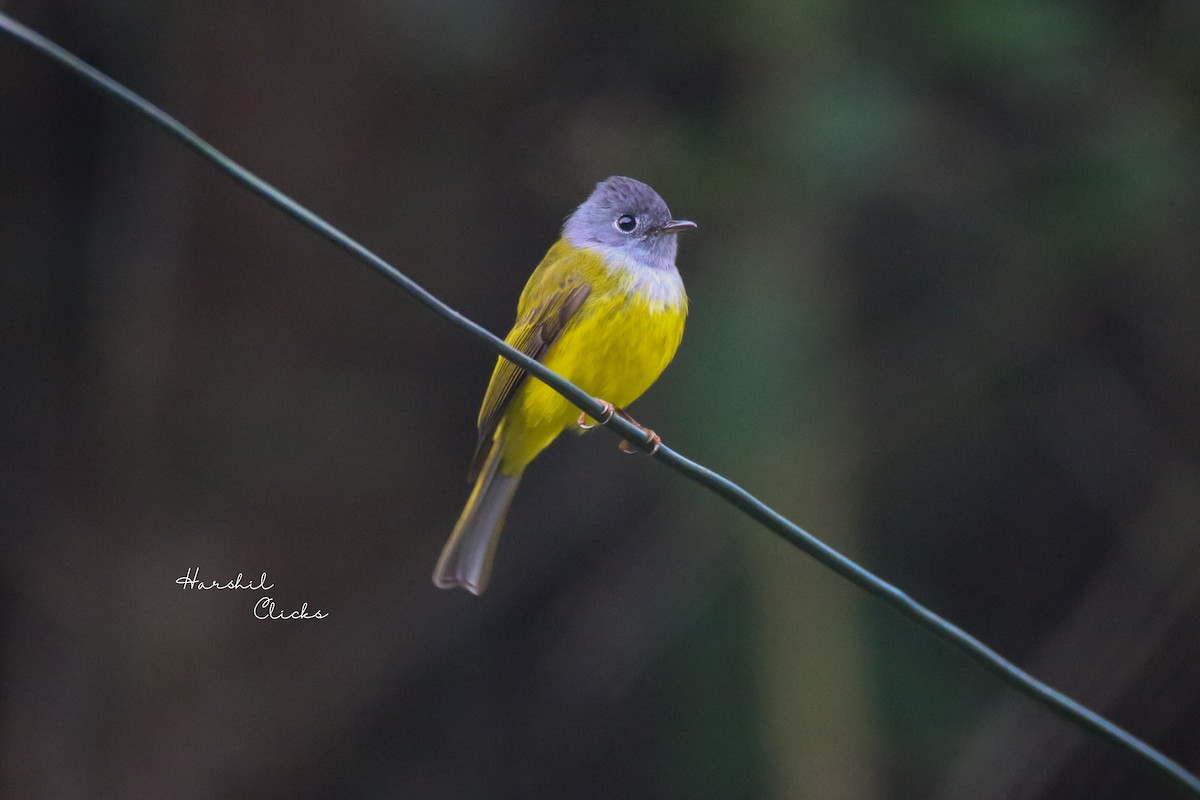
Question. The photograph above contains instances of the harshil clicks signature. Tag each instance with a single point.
(264, 609)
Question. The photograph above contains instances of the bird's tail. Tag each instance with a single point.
(466, 559)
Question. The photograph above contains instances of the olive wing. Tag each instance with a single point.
(533, 334)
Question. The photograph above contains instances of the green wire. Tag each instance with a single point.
(1010, 673)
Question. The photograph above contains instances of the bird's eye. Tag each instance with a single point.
(626, 223)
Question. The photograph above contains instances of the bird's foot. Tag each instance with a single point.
(652, 445)
(631, 449)
(603, 419)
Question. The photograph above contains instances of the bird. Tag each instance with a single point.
(605, 309)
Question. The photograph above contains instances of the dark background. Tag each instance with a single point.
(945, 314)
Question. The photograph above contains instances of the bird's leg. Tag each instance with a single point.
(632, 449)
(606, 415)
(603, 419)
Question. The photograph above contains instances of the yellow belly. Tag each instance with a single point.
(617, 348)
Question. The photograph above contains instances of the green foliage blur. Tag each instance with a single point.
(945, 314)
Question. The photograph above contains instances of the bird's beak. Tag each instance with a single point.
(677, 225)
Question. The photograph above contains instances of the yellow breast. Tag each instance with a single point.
(615, 347)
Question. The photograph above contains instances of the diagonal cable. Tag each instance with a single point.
(988, 658)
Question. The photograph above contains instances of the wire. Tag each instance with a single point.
(1007, 671)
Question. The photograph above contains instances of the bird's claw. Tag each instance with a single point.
(653, 444)
(603, 419)
(654, 440)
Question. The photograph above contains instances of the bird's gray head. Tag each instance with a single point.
(627, 219)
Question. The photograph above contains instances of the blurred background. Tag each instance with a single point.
(945, 315)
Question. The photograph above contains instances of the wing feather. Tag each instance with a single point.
(537, 328)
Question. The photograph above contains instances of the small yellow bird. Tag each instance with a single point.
(605, 309)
